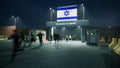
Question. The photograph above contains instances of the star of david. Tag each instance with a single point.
(66, 13)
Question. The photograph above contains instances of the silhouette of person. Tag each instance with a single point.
(55, 37)
(58, 37)
(32, 38)
(50, 38)
(16, 43)
(67, 38)
(22, 38)
(40, 38)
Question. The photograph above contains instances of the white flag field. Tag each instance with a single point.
(67, 13)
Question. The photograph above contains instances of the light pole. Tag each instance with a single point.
(15, 19)
(51, 13)
(51, 18)
(83, 18)
(83, 10)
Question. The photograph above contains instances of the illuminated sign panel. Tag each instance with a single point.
(67, 23)
(67, 13)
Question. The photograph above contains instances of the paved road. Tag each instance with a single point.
(71, 54)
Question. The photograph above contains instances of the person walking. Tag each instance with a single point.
(22, 35)
(55, 37)
(32, 39)
(40, 38)
(16, 43)
(51, 38)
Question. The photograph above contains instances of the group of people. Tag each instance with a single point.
(19, 38)
(56, 37)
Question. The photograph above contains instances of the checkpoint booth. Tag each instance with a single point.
(73, 30)
(68, 23)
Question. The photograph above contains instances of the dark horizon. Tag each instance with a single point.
(35, 13)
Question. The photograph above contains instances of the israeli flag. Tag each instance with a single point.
(67, 13)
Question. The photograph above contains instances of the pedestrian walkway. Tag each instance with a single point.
(71, 54)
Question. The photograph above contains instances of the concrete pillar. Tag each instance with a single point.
(82, 34)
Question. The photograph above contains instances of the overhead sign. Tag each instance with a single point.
(67, 23)
(67, 13)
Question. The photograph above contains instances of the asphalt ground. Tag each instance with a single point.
(71, 54)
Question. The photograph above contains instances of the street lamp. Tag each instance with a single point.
(83, 10)
(15, 19)
(51, 13)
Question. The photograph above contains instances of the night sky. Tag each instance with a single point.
(35, 13)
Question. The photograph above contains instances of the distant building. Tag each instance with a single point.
(6, 31)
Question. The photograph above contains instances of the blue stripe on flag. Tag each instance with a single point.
(62, 18)
(66, 8)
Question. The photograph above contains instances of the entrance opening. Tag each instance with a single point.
(68, 33)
